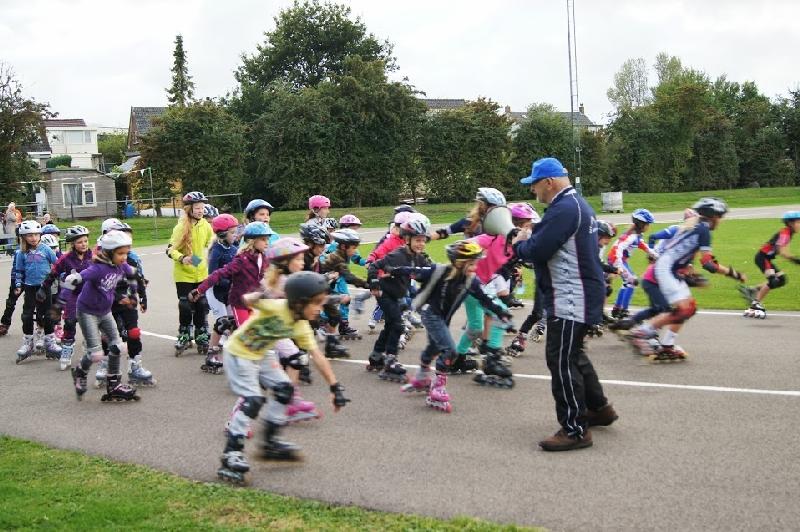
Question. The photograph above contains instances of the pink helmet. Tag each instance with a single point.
(524, 211)
(401, 217)
(285, 247)
(223, 222)
(349, 219)
(318, 202)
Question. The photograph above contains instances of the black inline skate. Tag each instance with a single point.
(334, 349)
(184, 340)
(212, 364)
(80, 381)
(348, 333)
(462, 364)
(117, 391)
(393, 370)
(376, 361)
(275, 449)
(305, 374)
(201, 338)
(494, 373)
(518, 345)
(234, 463)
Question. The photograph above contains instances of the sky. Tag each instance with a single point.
(95, 59)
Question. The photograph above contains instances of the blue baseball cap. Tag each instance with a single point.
(544, 168)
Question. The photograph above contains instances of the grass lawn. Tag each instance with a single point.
(734, 244)
(49, 488)
(287, 221)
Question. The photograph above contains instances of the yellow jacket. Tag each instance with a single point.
(202, 235)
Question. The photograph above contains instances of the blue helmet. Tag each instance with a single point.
(643, 216)
(254, 205)
(257, 230)
(50, 229)
(787, 216)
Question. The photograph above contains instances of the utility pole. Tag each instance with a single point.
(574, 99)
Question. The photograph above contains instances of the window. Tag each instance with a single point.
(75, 137)
(79, 194)
(87, 137)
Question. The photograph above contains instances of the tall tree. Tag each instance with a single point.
(21, 123)
(631, 88)
(667, 67)
(197, 147)
(181, 92)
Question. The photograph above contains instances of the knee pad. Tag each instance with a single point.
(134, 333)
(117, 349)
(184, 305)
(224, 324)
(776, 281)
(251, 406)
(680, 316)
(283, 392)
(296, 361)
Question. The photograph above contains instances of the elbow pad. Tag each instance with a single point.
(710, 263)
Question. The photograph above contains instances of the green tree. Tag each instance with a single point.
(543, 133)
(197, 147)
(112, 146)
(181, 92)
(594, 162)
(630, 89)
(789, 111)
(21, 120)
(353, 137)
(309, 45)
(466, 148)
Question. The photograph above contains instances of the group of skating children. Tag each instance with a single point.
(272, 298)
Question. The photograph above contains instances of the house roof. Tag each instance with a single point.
(444, 103)
(65, 122)
(142, 117)
(581, 120)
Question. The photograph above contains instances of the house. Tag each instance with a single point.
(437, 105)
(139, 124)
(73, 137)
(581, 120)
(79, 193)
(39, 151)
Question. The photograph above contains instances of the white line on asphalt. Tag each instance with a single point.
(637, 384)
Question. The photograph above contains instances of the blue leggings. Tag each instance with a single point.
(625, 293)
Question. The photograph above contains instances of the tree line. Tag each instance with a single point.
(315, 110)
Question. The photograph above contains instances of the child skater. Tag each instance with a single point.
(777, 246)
(31, 267)
(77, 259)
(97, 291)
(445, 287)
(391, 291)
(619, 254)
(251, 364)
(222, 252)
(347, 241)
(318, 209)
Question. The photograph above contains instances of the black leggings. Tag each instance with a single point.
(536, 314)
(11, 304)
(31, 308)
(393, 325)
(189, 312)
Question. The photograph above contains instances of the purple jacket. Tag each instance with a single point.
(245, 274)
(64, 266)
(99, 287)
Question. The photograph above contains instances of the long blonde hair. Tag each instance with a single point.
(249, 247)
(24, 246)
(185, 243)
(475, 216)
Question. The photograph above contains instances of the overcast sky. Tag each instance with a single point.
(96, 59)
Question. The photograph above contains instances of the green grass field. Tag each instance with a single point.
(46, 488)
(734, 244)
(287, 221)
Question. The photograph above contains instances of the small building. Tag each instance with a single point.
(437, 105)
(581, 120)
(73, 137)
(140, 122)
(74, 193)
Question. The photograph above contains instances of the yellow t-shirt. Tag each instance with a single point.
(270, 321)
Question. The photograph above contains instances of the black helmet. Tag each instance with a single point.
(708, 207)
(605, 228)
(302, 286)
(194, 197)
(313, 233)
(404, 208)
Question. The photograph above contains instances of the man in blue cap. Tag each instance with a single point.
(563, 250)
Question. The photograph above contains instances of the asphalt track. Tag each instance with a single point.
(705, 444)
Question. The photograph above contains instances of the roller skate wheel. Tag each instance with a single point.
(233, 477)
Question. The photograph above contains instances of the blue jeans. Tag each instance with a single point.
(440, 341)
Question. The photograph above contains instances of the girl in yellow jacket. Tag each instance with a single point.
(190, 240)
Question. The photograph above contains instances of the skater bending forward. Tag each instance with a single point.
(251, 364)
(445, 287)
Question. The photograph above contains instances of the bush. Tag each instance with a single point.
(63, 161)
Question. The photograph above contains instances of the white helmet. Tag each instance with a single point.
(50, 241)
(115, 239)
(110, 224)
(490, 196)
(30, 227)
